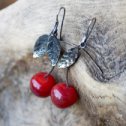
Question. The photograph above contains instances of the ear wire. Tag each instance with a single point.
(54, 31)
(87, 34)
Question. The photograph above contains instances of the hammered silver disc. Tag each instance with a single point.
(40, 47)
(53, 50)
(68, 58)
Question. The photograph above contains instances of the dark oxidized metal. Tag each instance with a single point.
(54, 50)
(40, 47)
(69, 58)
(87, 34)
(49, 44)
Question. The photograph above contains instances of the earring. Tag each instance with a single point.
(42, 82)
(63, 94)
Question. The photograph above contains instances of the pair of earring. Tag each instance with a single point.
(43, 84)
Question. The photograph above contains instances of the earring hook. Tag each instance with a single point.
(88, 32)
(64, 12)
(54, 31)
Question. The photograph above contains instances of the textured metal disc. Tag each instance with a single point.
(54, 49)
(40, 47)
(68, 58)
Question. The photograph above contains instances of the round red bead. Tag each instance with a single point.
(63, 96)
(41, 84)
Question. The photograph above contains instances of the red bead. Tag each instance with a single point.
(63, 96)
(41, 85)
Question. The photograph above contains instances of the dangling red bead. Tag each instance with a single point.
(41, 84)
(63, 96)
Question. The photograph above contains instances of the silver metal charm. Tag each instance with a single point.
(50, 44)
(70, 57)
(54, 50)
(40, 47)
